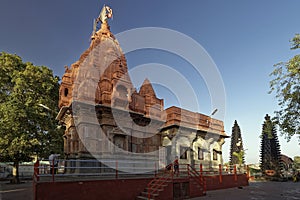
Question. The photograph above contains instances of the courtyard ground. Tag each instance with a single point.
(258, 191)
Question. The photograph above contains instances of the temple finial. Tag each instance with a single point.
(106, 13)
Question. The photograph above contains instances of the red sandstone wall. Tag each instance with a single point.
(167, 193)
(194, 190)
(122, 189)
(89, 190)
(228, 181)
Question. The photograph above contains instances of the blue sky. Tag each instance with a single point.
(244, 38)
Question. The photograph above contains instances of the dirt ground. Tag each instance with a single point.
(255, 191)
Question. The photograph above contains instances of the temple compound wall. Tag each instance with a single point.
(107, 118)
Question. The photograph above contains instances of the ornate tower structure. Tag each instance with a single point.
(101, 110)
(270, 161)
(236, 145)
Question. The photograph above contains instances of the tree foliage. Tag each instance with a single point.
(26, 128)
(297, 162)
(240, 156)
(286, 85)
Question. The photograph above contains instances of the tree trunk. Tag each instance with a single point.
(15, 179)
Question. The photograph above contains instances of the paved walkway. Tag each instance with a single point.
(16, 191)
(258, 191)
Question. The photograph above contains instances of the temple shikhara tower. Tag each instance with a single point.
(107, 118)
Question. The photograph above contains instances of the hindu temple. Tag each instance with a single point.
(107, 118)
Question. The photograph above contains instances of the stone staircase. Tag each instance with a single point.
(164, 178)
(157, 185)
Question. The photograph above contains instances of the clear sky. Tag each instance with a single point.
(244, 38)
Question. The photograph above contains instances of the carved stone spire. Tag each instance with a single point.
(147, 89)
(153, 105)
(99, 70)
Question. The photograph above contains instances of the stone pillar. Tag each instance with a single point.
(209, 142)
(221, 141)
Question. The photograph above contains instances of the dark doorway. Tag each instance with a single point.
(181, 190)
(169, 154)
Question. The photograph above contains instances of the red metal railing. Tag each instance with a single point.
(197, 177)
(43, 171)
(202, 178)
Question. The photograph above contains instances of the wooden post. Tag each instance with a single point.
(202, 179)
(37, 170)
(53, 170)
(149, 190)
(154, 169)
(220, 173)
(36, 178)
(248, 172)
(201, 170)
(172, 170)
(116, 169)
(235, 175)
(188, 169)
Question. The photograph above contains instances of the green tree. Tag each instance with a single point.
(286, 85)
(26, 128)
(240, 156)
(297, 162)
(270, 153)
(236, 147)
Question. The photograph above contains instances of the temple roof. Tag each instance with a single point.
(188, 119)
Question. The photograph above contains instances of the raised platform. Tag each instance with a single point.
(131, 188)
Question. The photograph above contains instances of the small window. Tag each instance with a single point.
(215, 156)
(183, 152)
(122, 91)
(119, 141)
(66, 92)
(200, 154)
(134, 148)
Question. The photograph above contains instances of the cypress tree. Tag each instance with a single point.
(270, 148)
(236, 145)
